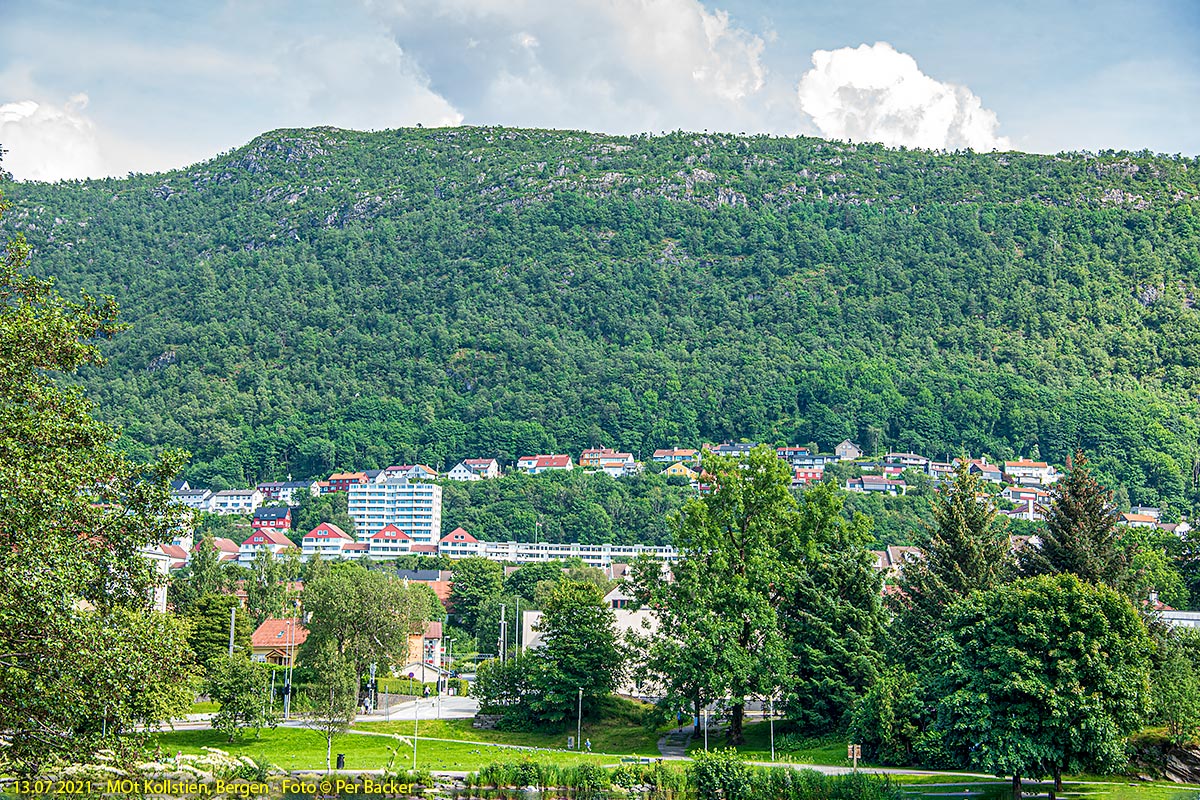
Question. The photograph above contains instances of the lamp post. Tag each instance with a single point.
(579, 722)
(416, 706)
(772, 701)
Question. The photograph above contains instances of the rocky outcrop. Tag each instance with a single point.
(1170, 762)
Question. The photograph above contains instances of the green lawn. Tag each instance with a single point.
(827, 751)
(620, 732)
(302, 749)
(204, 708)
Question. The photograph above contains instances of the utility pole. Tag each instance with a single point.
(517, 619)
(232, 619)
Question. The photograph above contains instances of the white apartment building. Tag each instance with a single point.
(415, 508)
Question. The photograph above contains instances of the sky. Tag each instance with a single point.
(89, 89)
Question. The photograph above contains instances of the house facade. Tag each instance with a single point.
(273, 541)
(535, 465)
(847, 451)
(236, 501)
(326, 540)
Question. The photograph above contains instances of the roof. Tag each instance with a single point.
(355, 547)
(327, 530)
(1138, 518)
(268, 536)
(191, 492)
(272, 512)
(423, 575)
(348, 476)
(433, 630)
(427, 549)
(279, 633)
(479, 462)
(297, 485)
(236, 493)
(1024, 462)
(222, 545)
(389, 531)
(174, 551)
(547, 462)
(458, 535)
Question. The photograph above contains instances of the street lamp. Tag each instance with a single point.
(579, 722)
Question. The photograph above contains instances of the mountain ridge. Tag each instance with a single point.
(322, 298)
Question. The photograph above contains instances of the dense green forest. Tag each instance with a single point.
(323, 299)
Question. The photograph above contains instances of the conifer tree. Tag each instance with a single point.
(1081, 535)
(968, 550)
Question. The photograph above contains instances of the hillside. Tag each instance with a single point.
(325, 298)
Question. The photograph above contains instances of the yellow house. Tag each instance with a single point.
(680, 469)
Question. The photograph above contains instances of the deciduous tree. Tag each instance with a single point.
(1041, 676)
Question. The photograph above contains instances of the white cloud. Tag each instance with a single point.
(874, 93)
(361, 82)
(607, 65)
(44, 142)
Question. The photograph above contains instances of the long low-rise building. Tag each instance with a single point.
(460, 544)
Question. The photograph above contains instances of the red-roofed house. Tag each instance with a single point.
(459, 544)
(326, 539)
(534, 465)
(1137, 520)
(388, 542)
(178, 556)
(273, 541)
(227, 549)
(277, 640)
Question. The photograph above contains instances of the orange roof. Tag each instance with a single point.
(428, 549)
(279, 633)
(1024, 462)
(1128, 517)
(348, 476)
(433, 630)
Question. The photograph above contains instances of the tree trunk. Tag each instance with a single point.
(328, 753)
(1016, 787)
(1057, 781)
(735, 735)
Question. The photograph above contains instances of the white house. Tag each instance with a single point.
(273, 541)
(195, 499)
(236, 501)
(327, 540)
(535, 465)
(459, 544)
(475, 469)
(389, 542)
(1030, 473)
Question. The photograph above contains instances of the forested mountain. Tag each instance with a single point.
(326, 298)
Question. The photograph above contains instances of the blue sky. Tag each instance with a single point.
(106, 88)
